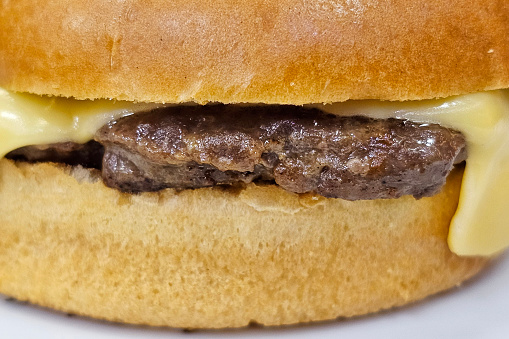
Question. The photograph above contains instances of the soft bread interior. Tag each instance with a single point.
(217, 257)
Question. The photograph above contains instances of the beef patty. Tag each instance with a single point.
(301, 150)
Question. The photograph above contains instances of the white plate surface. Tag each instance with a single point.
(478, 309)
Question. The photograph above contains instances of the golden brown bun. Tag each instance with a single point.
(217, 257)
(272, 51)
(220, 257)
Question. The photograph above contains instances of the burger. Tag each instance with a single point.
(207, 164)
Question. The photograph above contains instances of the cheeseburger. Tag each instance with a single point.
(207, 164)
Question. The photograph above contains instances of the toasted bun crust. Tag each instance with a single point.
(217, 257)
(275, 51)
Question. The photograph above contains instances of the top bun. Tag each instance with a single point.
(270, 51)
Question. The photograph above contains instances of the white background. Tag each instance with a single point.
(478, 309)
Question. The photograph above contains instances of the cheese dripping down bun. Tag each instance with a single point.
(223, 257)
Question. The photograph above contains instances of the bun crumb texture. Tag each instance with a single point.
(215, 257)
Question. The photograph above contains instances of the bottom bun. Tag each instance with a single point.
(217, 257)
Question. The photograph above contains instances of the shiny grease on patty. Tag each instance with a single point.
(300, 149)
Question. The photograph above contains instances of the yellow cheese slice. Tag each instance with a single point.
(27, 119)
(480, 225)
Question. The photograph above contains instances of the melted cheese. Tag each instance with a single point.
(27, 119)
(480, 225)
